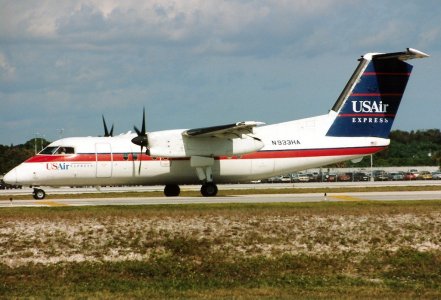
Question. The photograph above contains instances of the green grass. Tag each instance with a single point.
(195, 265)
(406, 273)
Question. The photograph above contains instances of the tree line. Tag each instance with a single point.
(407, 148)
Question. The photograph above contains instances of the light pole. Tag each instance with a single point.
(35, 142)
(60, 132)
(41, 142)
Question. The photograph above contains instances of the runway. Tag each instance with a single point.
(272, 198)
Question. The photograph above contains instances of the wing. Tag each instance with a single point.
(222, 131)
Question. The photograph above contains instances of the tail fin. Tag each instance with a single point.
(369, 102)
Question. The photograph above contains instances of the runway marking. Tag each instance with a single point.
(347, 198)
(51, 203)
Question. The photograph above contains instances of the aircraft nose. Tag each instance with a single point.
(11, 177)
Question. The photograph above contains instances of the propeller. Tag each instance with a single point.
(106, 131)
(142, 138)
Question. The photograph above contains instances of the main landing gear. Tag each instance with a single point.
(172, 190)
(204, 171)
(203, 166)
(38, 194)
(208, 189)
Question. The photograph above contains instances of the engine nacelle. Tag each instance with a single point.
(171, 143)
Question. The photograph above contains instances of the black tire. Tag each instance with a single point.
(209, 189)
(38, 194)
(172, 190)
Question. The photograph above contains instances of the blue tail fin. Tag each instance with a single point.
(368, 104)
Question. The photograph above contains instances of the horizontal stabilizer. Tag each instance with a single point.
(408, 54)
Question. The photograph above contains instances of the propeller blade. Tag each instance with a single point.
(141, 139)
(143, 121)
(106, 131)
(137, 130)
(140, 162)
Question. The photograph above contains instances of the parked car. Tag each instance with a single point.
(270, 180)
(436, 175)
(360, 176)
(425, 175)
(295, 177)
(380, 175)
(285, 178)
(395, 176)
(410, 176)
(303, 177)
(344, 177)
(314, 176)
(414, 172)
(329, 177)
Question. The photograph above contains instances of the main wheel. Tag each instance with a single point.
(209, 189)
(172, 190)
(38, 194)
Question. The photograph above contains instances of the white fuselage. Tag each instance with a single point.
(287, 147)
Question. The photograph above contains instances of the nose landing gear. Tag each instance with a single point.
(38, 194)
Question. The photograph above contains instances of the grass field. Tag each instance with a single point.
(307, 250)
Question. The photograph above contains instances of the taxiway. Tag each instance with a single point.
(257, 198)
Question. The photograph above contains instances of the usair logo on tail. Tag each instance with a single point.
(369, 107)
(370, 112)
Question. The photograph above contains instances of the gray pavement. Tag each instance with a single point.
(258, 198)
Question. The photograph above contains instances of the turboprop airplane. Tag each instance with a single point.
(357, 125)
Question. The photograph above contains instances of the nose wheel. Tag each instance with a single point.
(38, 194)
(209, 189)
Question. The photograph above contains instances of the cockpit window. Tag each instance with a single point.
(49, 150)
(57, 150)
(65, 150)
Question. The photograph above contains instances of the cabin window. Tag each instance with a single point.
(135, 156)
(125, 156)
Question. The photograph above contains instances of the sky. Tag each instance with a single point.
(200, 63)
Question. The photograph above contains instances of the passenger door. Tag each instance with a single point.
(104, 160)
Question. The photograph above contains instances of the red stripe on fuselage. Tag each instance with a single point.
(270, 154)
(313, 152)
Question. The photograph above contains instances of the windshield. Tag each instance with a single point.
(49, 150)
(57, 150)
